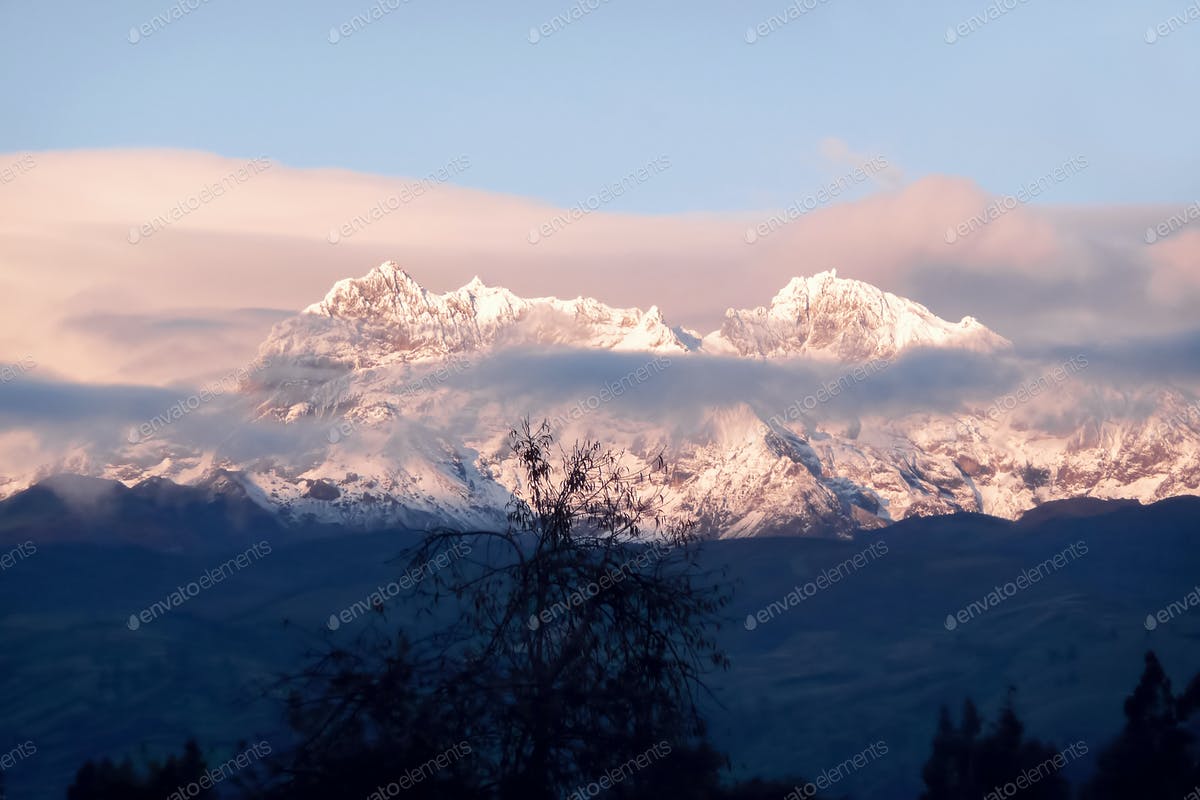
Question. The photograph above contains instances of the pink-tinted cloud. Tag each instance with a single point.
(1176, 268)
(66, 257)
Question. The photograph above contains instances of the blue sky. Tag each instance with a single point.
(629, 81)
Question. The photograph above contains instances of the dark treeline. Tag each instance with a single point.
(575, 666)
(1154, 757)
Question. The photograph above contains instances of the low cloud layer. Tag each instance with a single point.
(56, 424)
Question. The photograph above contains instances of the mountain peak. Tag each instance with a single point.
(392, 272)
(387, 283)
(816, 284)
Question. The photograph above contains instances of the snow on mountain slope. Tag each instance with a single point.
(734, 467)
(387, 404)
(845, 319)
(386, 316)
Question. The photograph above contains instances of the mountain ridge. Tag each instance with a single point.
(386, 404)
(386, 315)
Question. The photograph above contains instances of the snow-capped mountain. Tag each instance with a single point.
(846, 319)
(386, 317)
(389, 404)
